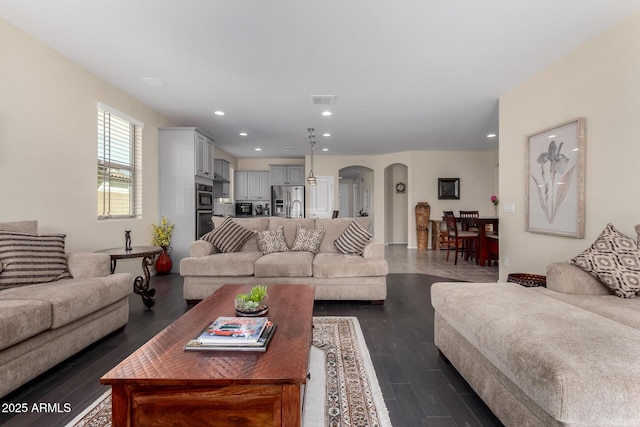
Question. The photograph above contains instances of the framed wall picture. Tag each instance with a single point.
(554, 180)
(448, 188)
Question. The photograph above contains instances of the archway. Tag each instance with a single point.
(355, 192)
(396, 204)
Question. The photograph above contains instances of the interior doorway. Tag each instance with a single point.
(355, 192)
(396, 204)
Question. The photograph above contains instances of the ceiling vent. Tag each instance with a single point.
(323, 99)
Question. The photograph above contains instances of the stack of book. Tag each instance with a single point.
(234, 334)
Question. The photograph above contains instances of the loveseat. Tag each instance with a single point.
(43, 324)
(564, 355)
(335, 276)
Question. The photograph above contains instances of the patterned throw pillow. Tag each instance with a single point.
(272, 241)
(353, 239)
(614, 259)
(308, 239)
(26, 259)
(228, 236)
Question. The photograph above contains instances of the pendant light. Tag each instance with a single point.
(311, 180)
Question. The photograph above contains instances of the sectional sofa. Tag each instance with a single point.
(564, 355)
(43, 324)
(335, 275)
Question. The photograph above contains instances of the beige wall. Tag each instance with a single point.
(48, 137)
(474, 168)
(598, 81)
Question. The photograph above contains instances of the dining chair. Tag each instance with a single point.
(457, 237)
(468, 224)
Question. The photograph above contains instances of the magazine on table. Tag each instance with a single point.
(259, 345)
(240, 331)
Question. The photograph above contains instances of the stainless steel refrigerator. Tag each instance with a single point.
(287, 201)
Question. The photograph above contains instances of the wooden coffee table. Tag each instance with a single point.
(161, 382)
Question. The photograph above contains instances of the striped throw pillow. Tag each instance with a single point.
(353, 239)
(27, 259)
(228, 236)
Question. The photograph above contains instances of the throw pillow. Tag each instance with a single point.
(353, 239)
(272, 241)
(27, 259)
(228, 236)
(308, 239)
(614, 259)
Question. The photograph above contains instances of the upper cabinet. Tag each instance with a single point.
(252, 185)
(287, 175)
(222, 169)
(204, 155)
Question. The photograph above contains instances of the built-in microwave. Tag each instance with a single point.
(204, 196)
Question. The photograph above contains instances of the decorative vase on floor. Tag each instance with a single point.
(423, 211)
(163, 263)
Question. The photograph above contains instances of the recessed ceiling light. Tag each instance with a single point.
(258, 149)
(219, 113)
(491, 135)
(326, 134)
(552, 136)
(325, 149)
(326, 113)
(243, 134)
(153, 81)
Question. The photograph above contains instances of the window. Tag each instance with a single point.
(119, 164)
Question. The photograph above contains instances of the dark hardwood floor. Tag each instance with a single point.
(420, 389)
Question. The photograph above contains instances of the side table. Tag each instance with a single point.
(140, 284)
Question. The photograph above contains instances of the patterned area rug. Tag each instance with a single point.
(343, 390)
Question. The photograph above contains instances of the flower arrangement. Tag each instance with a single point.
(494, 200)
(162, 233)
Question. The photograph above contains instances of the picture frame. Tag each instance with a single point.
(554, 180)
(448, 188)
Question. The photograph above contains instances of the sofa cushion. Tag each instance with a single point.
(229, 236)
(334, 228)
(30, 226)
(255, 224)
(614, 259)
(22, 319)
(290, 226)
(72, 299)
(308, 239)
(218, 265)
(573, 363)
(272, 241)
(284, 264)
(26, 259)
(353, 239)
(332, 265)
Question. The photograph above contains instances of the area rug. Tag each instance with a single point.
(343, 390)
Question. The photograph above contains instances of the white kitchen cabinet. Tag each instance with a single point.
(287, 175)
(253, 186)
(222, 168)
(183, 156)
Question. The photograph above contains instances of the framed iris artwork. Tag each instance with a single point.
(554, 180)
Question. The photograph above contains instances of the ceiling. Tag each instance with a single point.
(406, 75)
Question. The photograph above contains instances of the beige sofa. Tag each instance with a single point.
(565, 355)
(335, 276)
(43, 324)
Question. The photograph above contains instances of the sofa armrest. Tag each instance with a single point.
(201, 248)
(88, 264)
(570, 279)
(373, 250)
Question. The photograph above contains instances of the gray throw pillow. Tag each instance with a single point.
(272, 241)
(27, 259)
(228, 236)
(614, 259)
(308, 239)
(353, 239)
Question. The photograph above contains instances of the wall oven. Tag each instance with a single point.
(204, 223)
(204, 196)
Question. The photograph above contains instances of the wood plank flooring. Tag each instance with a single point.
(419, 388)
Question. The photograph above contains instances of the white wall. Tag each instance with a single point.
(48, 146)
(598, 81)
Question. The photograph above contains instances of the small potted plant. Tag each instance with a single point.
(254, 303)
(162, 237)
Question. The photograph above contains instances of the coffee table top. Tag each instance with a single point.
(163, 360)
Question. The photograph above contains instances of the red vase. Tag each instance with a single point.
(163, 263)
